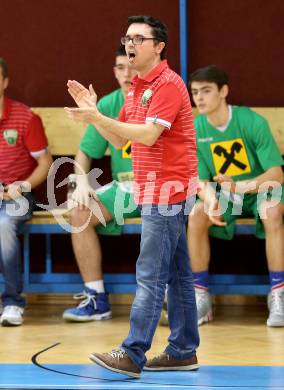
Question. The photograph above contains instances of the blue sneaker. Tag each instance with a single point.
(94, 306)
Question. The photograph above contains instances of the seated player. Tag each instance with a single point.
(24, 164)
(236, 150)
(86, 245)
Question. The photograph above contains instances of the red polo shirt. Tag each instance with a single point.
(165, 173)
(22, 139)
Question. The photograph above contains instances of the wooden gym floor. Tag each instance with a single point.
(237, 351)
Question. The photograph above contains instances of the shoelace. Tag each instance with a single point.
(117, 353)
(87, 299)
(161, 355)
(277, 302)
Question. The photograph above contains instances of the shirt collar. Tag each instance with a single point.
(155, 72)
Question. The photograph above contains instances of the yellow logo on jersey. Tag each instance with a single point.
(230, 157)
(126, 150)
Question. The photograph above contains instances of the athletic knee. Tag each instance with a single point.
(79, 217)
(198, 219)
(272, 217)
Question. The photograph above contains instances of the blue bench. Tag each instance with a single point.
(119, 283)
(64, 137)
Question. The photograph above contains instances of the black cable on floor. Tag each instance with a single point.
(35, 362)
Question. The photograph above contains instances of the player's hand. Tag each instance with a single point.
(82, 96)
(214, 212)
(11, 191)
(86, 115)
(86, 100)
(226, 182)
(82, 197)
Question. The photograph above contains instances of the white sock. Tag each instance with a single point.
(97, 285)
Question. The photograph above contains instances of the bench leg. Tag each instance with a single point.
(48, 259)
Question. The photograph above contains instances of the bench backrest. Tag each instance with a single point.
(64, 134)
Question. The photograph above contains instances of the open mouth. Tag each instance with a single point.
(131, 55)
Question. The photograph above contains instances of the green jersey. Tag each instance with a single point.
(95, 145)
(243, 151)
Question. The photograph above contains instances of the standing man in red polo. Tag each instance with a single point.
(24, 164)
(157, 118)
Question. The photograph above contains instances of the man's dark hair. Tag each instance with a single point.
(210, 73)
(4, 67)
(159, 29)
(120, 51)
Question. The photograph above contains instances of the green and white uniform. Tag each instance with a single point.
(121, 188)
(244, 150)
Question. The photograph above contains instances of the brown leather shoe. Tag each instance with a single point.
(117, 360)
(165, 362)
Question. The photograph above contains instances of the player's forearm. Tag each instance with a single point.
(82, 167)
(142, 133)
(40, 172)
(263, 181)
(82, 163)
(116, 140)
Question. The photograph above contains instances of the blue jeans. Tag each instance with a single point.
(10, 259)
(163, 260)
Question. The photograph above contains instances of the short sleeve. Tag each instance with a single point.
(93, 143)
(165, 105)
(266, 149)
(35, 137)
